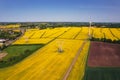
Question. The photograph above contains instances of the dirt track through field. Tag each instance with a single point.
(74, 61)
(2, 55)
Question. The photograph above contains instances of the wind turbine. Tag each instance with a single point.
(90, 29)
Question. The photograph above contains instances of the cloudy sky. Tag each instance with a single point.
(60, 10)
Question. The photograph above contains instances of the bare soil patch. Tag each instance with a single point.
(104, 55)
(2, 54)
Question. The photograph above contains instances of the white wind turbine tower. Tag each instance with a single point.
(90, 29)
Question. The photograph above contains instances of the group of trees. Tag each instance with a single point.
(105, 40)
(111, 25)
(43, 25)
(9, 34)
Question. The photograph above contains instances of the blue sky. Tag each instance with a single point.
(60, 10)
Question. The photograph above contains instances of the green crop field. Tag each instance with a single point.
(17, 52)
(102, 73)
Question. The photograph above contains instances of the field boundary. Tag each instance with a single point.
(113, 34)
(77, 33)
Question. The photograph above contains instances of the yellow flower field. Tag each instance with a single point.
(33, 41)
(36, 36)
(28, 34)
(11, 26)
(97, 33)
(108, 34)
(70, 34)
(46, 63)
(77, 73)
(83, 34)
(53, 33)
(115, 32)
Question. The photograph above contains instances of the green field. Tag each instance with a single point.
(102, 73)
(16, 53)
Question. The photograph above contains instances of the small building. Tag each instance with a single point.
(2, 40)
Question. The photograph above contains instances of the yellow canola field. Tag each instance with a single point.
(33, 33)
(11, 26)
(17, 30)
(53, 33)
(34, 29)
(28, 34)
(46, 63)
(59, 32)
(97, 33)
(83, 34)
(108, 34)
(78, 70)
(116, 32)
(118, 29)
(45, 33)
(49, 32)
(36, 36)
(71, 33)
(33, 41)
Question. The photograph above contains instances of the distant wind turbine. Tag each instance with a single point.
(90, 29)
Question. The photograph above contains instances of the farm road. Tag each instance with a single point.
(74, 60)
